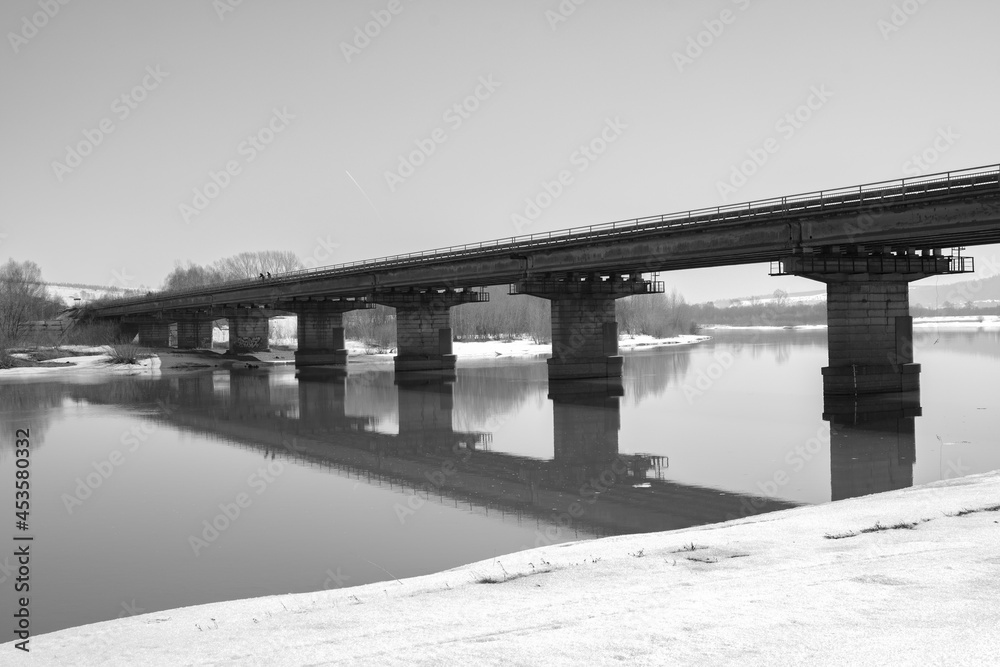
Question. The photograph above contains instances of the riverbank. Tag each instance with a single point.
(905, 577)
(95, 359)
(944, 322)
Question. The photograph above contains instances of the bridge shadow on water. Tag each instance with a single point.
(384, 431)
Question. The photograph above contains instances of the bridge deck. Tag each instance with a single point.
(756, 231)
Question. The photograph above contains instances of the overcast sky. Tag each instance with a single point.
(116, 115)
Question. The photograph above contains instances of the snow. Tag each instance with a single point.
(771, 589)
(73, 295)
(959, 321)
(944, 321)
(526, 347)
(94, 364)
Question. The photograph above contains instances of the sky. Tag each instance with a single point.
(136, 134)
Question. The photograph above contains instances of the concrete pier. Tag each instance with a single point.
(584, 328)
(193, 333)
(154, 334)
(868, 313)
(423, 327)
(248, 331)
(321, 331)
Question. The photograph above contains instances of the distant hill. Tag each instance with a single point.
(982, 292)
(77, 294)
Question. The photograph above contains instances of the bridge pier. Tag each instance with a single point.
(321, 331)
(423, 327)
(154, 334)
(870, 331)
(248, 332)
(584, 327)
(194, 333)
(127, 331)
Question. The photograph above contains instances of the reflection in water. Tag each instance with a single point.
(27, 405)
(872, 443)
(544, 462)
(586, 485)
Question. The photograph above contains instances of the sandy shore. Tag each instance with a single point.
(907, 577)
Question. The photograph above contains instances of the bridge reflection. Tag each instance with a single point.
(587, 486)
(404, 434)
(872, 443)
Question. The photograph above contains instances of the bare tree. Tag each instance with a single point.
(192, 275)
(252, 264)
(22, 297)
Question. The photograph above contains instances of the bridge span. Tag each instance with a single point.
(866, 242)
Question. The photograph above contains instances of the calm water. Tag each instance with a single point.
(343, 481)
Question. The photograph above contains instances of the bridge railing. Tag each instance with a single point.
(862, 198)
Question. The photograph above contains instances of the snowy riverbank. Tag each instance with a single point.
(95, 359)
(86, 360)
(912, 577)
(944, 322)
(525, 347)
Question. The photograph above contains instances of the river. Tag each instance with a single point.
(170, 489)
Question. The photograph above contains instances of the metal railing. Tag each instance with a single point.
(871, 196)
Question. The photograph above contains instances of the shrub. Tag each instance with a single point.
(125, 353)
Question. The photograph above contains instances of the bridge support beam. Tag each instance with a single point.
(584, 328)
(194, 333)
(248, 332)
(154, 334)
(423, 327)
(870, 331)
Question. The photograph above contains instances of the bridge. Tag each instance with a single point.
(865, 242)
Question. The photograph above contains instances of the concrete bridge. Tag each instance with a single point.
(866, 242)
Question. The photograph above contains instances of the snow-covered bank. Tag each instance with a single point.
(944, 321)
(907, 581)
(94, 360)
(526, 347)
